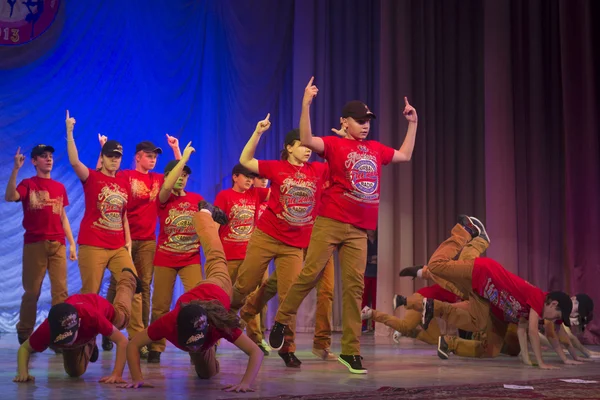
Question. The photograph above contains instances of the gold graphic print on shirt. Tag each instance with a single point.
(112, 201)
(241, 221)
(182, 237)
(361, 172)
(39, 199)
(140, 190)
(298, 200)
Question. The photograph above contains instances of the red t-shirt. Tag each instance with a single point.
(293, 204)
(166, 326)
(105, 205)
(142, 206)
(261, 209)
(437, 292)
(96, 315)
(43, 201)
(178, 243)
(511, 294)
(240, 209)
(355, 166)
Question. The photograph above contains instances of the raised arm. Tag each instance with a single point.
(404, 153)
(174, 145)
(247, 157)
(173, 175)
(80, 169)
(102, 139)
(306, 138)
(11, 193)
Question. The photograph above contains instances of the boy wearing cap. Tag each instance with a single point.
(104, 238)
(72, 326)
(142, 213)
(46, 224)
(178, 249)
(240, 203)
(202, 316)
(283, 231)
(350, 207)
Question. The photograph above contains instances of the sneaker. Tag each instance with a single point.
(262, 348)
(290, 359)
(266, 345)
(353, 363)
(442, 350)
(153, 357)
(107, 344)
(396, 337)
(411, 271)
(138, 281)
(366, 313)
(324, 354)
(399, 301)
(94, 356)
(144, 353)
(482, 232)
(427, 314)
(276, 336)
(217, 214)
(469, 226)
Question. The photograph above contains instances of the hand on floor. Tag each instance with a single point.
(136, 385)
(243, 388)
(112, 379)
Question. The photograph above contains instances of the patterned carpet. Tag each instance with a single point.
(547, 389)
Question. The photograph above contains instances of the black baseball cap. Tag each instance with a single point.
(41, 149)
(192, 325)
(64, 323)
(148, 147)
(565, 304)
(292, 136)
(240, 169)
(111, 148)
(172, 165)
(585, 309)
(357, 110)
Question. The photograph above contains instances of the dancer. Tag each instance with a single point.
(104, 238)
(284, 229)
(72, 326)
(178, 250)
(350, 208)
(46, 225)
(201, 316)
(241, 203)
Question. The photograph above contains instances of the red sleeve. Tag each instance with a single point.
(160, 328)
(91, 177)
(23, 190)
(221, 201)
(105, 327)
(262, 193)
(386, 153)
(235, 334)
(268, 168)
(40, 338)
(65, 197)
(163, 205)
(329, 143)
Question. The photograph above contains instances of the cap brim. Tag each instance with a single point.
(112, 152)
(157, 150)
(66, 339)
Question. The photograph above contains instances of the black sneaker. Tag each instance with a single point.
(465, 335)
(442, 350)
(276, 336)
(94, 356)
(290, 359)
(154, 357)
(469, 226)
(353, 363)
(107, 344)
(144, 353)
(217, 214)
(262, 348)
(398, 301)
(482, 232)
(411, 271)
(427, 314)
(138, 281)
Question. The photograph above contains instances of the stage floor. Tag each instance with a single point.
(409, 364)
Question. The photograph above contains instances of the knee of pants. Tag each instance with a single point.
(207, 373)
(32, 295)
(74, 372)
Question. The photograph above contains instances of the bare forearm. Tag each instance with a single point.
(121, 357)
(72, 149)
(409, 141)
(557, 348)
(522, 335)
(177, 153)
(254, 363)
(67, 228)
(23, 360)
(11, 193)
(305, 128)
(133, 361)
(247, 157)
(535, 345)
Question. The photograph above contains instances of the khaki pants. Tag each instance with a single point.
(142, 252)
(76, 360)
(93, 261)
(215, 267)
(327, 235)
(164, 283)
(263, 248)
(39, 257)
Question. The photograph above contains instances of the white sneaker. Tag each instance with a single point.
(266, 345)
(396, 337)
(366, 313)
